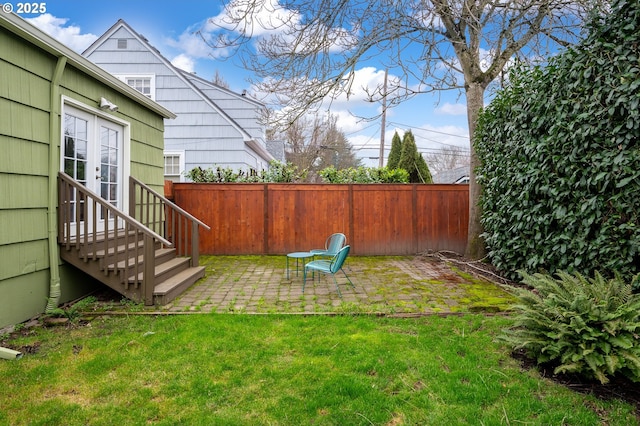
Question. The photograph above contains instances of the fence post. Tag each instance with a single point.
(265, 223)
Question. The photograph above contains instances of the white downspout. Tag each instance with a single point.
(54, 166)
(6, 353)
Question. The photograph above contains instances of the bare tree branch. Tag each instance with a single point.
(305, 53)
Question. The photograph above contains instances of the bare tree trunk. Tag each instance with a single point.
(476, 248)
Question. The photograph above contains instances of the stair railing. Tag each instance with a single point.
(167, 219)
(92, 225)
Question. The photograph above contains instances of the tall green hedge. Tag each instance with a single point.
(560, 157)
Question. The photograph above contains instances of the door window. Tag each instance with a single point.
(92, 154)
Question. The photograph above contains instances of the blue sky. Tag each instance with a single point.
(435, 120)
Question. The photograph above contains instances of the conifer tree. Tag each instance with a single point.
(394, 154)
(412, 161)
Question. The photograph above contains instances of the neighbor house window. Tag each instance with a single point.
(145, 84)
(174, 165)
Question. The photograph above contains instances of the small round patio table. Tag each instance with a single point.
(298, 255)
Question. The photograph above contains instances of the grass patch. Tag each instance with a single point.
(284, 370)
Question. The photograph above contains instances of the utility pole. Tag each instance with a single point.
(383, 124)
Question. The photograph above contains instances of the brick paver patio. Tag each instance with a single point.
(385, 285)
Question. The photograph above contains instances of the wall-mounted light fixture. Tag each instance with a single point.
(105, 104)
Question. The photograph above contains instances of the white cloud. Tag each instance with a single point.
(184, 62)
(451, 109)
(356, 105)
(259, 20)
(68, 35)
(265, 17)
(351, 108)
(347, 121)
(196, 44)
(365, 80)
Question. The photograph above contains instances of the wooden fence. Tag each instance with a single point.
(378, 219)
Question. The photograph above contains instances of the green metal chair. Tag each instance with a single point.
(330, 267)
(332, 246)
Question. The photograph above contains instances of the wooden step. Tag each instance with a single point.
(172, 287)
(165, 270)
(88, 246)
(161, 256)
(118, 253)
(172, 274)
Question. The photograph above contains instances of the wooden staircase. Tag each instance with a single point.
(149, 255)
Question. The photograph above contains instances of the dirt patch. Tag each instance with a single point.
(476, 268)
(31, 349)
(6, 342)
(30, 328)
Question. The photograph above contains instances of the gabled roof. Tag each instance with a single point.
(457, 175)
(186, 78)
(223, 89)
(37, 37)
(276, 148)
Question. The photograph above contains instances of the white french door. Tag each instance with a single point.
(92, 153)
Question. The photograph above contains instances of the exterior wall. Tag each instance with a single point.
(206, 137)
(24, 143)
(146, 127)
(25, 135)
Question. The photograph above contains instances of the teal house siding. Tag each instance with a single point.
(40, 79)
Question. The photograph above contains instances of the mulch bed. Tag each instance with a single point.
(618, 387)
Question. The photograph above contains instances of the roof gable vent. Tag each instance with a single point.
(122, 43)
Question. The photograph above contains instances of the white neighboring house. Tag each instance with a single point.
(457, 175)
(214, 126)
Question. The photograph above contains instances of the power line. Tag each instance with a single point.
(364, 146)
(427, 130)
(427, 150)
(363, 129)
(446, 154)
(441, 143)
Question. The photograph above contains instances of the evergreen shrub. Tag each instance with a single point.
(412, 161)
(364, 175)
(278, 172)
(586, 326)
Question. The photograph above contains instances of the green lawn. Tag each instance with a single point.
(216, 369)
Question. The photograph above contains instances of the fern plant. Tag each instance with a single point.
(72, 312)
(586, 326)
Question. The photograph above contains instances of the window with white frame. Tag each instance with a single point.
(145, 84)
(173, 164)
